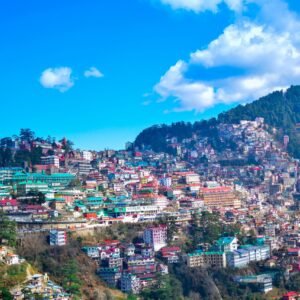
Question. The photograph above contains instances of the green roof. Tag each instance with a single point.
(224, 241)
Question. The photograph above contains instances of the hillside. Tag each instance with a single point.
(280, 110)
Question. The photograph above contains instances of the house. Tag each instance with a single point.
(57, 237)
(170, 254)
(227, 244)
(91, 251)
(291, 296)
(12, 259)
(130, 283)
(8, 205)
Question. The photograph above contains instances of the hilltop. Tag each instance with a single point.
(280, 110)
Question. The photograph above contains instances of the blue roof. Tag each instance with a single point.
(225, 241)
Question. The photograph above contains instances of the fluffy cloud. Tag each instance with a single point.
(93, 72)
(57, 78)
(203, 5)
(265, 57)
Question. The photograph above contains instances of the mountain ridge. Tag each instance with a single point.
(280, 110)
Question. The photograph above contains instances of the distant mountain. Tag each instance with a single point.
(280, 110)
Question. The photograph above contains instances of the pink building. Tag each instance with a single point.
(156, 236)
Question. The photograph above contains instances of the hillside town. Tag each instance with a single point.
(247, 184)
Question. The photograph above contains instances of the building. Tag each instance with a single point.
(87, 155)
(6, 174)
(50, 160)
(57, 238)
(227, 244)
(84, 168)
(257, 253)
(260, 283)
(170, 254)
(139, 264)
(237, 258)
(156, 236)
(130, 283)
(110, 275)
(222, 196)
(27, 186)
(206, 259)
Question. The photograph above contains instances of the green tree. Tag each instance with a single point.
(5, 294)
(8, 230)
(27, 135)
(71, 282)
(36, 197)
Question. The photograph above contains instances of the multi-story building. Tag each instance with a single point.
(6, 174)
(206, 259)
(139, 265)
(84, 167)
(237, 258)
(110, 275)
(50, 160)
(156, 236)
(257, 253)
(57, 237)
(130, 283)
(222, 196)
(87, 155)
(24, 187)
(226, 244)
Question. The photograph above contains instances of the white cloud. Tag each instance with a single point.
(203, 5)
(266, 58)
(57, 78)
(93, 72)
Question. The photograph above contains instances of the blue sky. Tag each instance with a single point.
(153, 62)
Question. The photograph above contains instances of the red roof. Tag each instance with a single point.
(8, 202)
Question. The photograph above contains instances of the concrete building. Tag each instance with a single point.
(206, 259)
(156, 236)
(50, 160)
(57, 237)
(130, 283)
(221, 196)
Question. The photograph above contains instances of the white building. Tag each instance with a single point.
(87, 155)
(156, 236)
(50, 160)
(57, 237)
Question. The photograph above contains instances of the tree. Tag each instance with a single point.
(27, 135)
(8, 230)
(71, 282)
(5, 294)
(167, 287)
(36, 197)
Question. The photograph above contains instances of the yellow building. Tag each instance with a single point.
(206, 259)
(222, 196)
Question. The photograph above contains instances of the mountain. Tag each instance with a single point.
(281, 110)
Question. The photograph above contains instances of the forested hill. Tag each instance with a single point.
(279, 109)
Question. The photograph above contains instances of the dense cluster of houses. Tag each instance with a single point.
(132, 267)
(250, 180)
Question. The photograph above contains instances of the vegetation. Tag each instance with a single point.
(167, 287)
(12, 275)
(206, 227)
(8, 230)
(34, 197)
(66, 265)
(27, 155)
